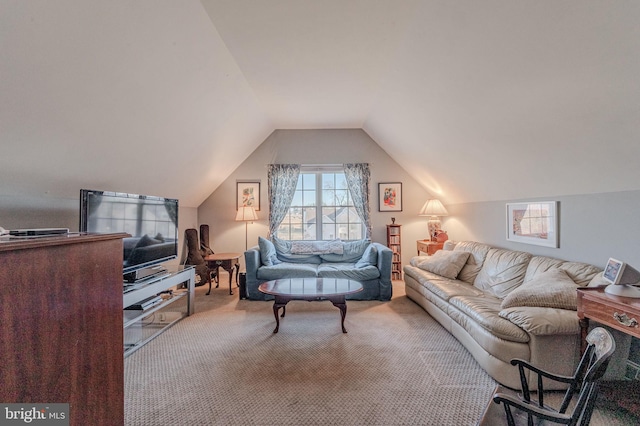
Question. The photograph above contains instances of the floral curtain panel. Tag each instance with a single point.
(358, 177)
(283, 179)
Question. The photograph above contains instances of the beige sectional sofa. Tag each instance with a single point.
(503, 304)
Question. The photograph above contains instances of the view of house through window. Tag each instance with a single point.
(322, 209)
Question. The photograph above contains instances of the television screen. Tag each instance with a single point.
(151, 222)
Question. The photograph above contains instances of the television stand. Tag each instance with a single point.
(145, 273)
(144, 324)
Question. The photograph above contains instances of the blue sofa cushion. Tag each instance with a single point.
(348, 271)
(352, 252)
(369, 257)
(283, 251)
(288, 270)
(268, 255)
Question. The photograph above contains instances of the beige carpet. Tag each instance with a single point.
(224, 366)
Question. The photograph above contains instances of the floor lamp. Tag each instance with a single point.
(246, 214)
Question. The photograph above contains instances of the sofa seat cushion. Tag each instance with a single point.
(543, 321)
(444, 288)
(485, 311)
(503, 271)
(348, 271)
(287, 270)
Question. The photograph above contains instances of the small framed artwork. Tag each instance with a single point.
(248, 194)
(390, 196)
(533, 223)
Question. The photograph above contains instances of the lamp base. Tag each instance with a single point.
(434, 225)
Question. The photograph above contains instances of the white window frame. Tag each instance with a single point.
(318, 171)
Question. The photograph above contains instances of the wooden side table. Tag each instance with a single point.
(226, 261)
(429, 247)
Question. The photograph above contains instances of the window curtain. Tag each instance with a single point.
(283, 179)
(358, 177)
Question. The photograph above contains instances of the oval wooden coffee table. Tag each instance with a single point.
(331, 289)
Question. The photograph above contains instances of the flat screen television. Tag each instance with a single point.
(151, 222)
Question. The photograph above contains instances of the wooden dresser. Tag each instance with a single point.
(61, 308)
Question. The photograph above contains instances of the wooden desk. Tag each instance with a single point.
(429, 247)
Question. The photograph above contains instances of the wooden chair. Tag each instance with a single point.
(520, 409)
(194, 257)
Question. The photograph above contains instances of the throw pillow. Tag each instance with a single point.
(550, 289)
(369, 258)
(268, 255)
(445, 263)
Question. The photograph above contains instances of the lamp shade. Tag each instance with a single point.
(433, 207)
(246, 214)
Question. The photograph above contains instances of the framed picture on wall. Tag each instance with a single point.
(248, 194)
(390, 196)
(533, 223)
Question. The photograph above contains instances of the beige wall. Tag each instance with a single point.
(313, 147)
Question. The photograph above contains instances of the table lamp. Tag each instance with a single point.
(434, 209)
(246, 214)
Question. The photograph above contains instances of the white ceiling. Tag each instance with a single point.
(479, 100)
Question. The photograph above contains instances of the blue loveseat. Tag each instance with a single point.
(362, 260)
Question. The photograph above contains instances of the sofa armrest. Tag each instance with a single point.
(252, 262)
(543, 321)
(385, 256)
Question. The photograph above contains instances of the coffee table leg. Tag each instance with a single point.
(279, 303)
(340, 303)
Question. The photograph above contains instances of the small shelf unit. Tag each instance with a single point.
(143, 325)
(394, 242)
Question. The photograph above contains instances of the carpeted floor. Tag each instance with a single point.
(224, 366)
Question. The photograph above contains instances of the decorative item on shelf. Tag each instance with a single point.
(246, 214)
(434, 209)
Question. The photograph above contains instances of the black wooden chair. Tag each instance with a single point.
(520, 409)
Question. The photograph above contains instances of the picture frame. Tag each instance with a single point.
(534, 222)
(390, 196)
(248, 194)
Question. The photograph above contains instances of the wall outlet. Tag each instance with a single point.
(163, 317)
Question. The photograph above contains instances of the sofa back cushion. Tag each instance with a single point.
(352, 251)
(580, 273)
(268, 255)
(283, 251)
(539, 265)
(502, 271)
(477, 254)
(444, 263)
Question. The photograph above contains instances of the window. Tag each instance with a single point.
(321, 209)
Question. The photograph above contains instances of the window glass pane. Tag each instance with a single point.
(328, 181)
(341, 197)
(329, 231)
(328, 197)
(308, 180)
(309, 198)
(297, 199)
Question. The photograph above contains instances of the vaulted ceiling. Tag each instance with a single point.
(478, 100)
